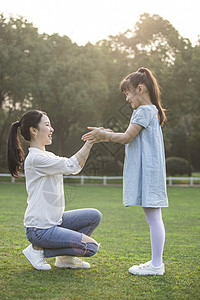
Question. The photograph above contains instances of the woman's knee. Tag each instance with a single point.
(97, 215)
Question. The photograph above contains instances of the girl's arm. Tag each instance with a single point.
(97, 135)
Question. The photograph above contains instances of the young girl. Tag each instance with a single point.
(51, 231)
(144, 175)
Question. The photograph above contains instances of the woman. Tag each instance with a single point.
(51, 231)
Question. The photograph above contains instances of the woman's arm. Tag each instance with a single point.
(97, 135)
(83, 153)
(54, 165)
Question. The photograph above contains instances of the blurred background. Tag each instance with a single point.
(68, 59)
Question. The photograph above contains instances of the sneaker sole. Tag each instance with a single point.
(71, 267)
(28, 257)
(148, 273)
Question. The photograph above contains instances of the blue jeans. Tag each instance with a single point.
(66, 238)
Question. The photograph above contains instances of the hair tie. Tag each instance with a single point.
(143, 71)
(17, 123)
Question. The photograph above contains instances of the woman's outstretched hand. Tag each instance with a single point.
(96, 135)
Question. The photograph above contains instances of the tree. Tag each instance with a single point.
(73, 86)
(157, 45)
(18, 38)
(79, 86)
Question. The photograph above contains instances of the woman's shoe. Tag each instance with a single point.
(71, 262)
(36, 258)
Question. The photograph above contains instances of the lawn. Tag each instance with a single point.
(124, 237)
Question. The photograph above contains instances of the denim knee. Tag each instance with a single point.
(98, 216)
(91, 249)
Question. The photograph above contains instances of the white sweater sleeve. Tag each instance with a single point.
(55, 165)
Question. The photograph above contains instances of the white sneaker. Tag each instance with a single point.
(147, 269)
(36, 258)
(71, 262)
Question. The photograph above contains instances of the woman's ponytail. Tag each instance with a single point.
(15, 153)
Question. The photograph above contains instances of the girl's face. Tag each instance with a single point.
(43, 135)
(133, 97)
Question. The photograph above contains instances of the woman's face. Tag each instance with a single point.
(44, 132)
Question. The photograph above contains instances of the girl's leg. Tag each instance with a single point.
(157, 231)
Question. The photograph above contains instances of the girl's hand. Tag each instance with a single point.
(96, 135)
(107, 130)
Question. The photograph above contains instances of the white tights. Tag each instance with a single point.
(157, 231)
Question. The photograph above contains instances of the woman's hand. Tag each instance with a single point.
(96, 135)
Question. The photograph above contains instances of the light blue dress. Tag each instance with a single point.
(144, 174)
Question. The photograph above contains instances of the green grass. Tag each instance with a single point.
(124, 237)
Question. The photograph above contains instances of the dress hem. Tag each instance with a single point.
(127, 205)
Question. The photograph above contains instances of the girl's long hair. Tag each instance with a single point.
(15, 153)
(145, 76)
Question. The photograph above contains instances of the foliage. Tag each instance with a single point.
(177, 166)
(79, 86)
(124, 237)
